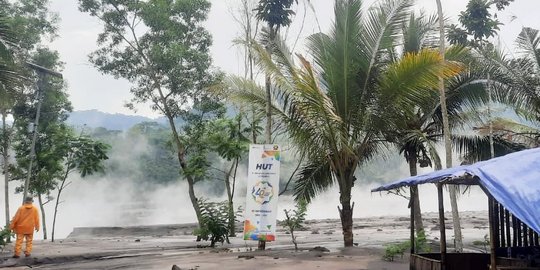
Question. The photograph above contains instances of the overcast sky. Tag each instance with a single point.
(88, 89)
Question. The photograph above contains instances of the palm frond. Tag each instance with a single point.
(313, 178)
(418, 32)
(380, 32)
(477, 148)
(407, 80)
(529, 43)
(337, 55)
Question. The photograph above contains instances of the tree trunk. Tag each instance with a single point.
(268, 85)
(294, 240)
(268, 135)
(183, 165)
(346, 215)
(455, 218)
(43, 221)
(5, 155)
(60, 189)
(418, 223)
(230, 206)
(447, 136)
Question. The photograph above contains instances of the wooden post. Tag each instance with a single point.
(525, 235)
(411, 205)
(502, 226)
(531, 237)
(261, 245)
(520, 236)
(514, 231)
(507, 224)
(492, 233)
(496, 226)
(536, 239)
(442, 226)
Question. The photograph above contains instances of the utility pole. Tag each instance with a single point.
(41, 72)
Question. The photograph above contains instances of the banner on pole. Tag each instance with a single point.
(262, 192)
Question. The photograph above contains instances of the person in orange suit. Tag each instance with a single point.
(25, 221)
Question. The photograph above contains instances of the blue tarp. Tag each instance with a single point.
(513, 180)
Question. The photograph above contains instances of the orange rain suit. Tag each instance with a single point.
(25, 221)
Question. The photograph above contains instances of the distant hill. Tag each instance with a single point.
(117, 121)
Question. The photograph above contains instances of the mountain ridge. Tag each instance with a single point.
(113, 121)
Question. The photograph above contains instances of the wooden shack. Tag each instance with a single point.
(512, 185)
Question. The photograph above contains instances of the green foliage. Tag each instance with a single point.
(196, 136)
(393, 250)
(478, 22)
(159, 34)
(215, 222)
(277, 13)
(157, 162)
(32, 21)
(421, 246)
(5, 235)
(484, 243)
(294, 220)
(228, 139)
(85, 155)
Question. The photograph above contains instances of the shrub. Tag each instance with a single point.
(294, 220)
(393, 250)
(215, 222)
(5, 235)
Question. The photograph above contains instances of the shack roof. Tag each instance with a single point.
(513, 180)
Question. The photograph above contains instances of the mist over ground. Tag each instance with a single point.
(141, 185)
(96, 202)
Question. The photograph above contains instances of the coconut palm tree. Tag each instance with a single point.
(413, 136)
(516, 83)
(8, 82)
(337, 110)
(277, 14)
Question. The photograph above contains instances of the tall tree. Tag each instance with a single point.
(229, 142)
(8, 82)
(47, 159)
(336, 112)
(80, 154)
(516, 84)
(30, 22)
(249, 24)
(414, 138)
(277, 14)
(479, 24)
(447, 136)
(161, 47)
